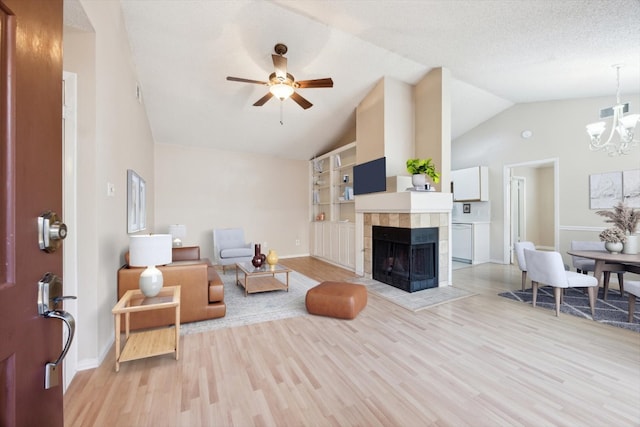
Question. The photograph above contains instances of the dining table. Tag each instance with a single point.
(607, 262)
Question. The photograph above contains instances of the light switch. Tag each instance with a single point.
(111, 189)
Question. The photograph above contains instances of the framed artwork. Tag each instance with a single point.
(605, 190)
(631, 188)
(143, 204)
(136, 202)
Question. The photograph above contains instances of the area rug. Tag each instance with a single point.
(258, 307)
(613, 311)
(414, 301)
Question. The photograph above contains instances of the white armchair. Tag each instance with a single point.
(229, 247)
(547, 268)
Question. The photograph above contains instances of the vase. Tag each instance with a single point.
(272, 257)
(630, 247)
(257, 257)
(613, 247)
(419, 181)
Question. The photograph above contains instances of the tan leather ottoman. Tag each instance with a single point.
(336, 299)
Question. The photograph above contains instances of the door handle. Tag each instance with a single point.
(51, 376)
(49, 296)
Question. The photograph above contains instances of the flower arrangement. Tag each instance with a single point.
(622, 217)
(423, 167)
(613, 235)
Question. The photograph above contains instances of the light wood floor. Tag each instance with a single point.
(478, 361)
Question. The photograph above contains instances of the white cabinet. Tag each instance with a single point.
(470, 184)
(334, 242)
(470, 242)
(462, 242)
(347, 239)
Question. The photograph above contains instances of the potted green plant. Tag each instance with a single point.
(420, 169)
(613, 239)
(625, 219)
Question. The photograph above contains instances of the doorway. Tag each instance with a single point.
(69, 213)
(518, 209)
(531, 209)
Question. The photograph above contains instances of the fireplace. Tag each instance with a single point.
(406, 258)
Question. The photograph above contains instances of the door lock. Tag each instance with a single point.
(51, 231)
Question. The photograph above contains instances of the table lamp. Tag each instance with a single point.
(148, 251)
(179, 232)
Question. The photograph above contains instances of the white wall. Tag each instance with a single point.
(113, 136)
(558, 132)
(207, 188)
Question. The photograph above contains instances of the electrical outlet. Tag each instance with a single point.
(297, 242)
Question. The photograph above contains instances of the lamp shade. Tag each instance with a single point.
(150, 250)
(178, 232)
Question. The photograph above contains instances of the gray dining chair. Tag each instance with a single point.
(547, 268)
(585, 265)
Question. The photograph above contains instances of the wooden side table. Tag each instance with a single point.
(154, 342)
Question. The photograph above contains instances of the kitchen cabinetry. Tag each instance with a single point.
(462, 242)
(470, 242)
(470, 184)
(333, 206)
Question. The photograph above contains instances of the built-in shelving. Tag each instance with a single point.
(333, 206)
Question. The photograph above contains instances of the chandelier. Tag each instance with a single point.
(623, 125)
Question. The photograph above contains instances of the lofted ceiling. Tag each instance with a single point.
(500, 52)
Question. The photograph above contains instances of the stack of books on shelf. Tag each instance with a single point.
(348, 193)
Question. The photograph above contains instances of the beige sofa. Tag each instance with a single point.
(201, 289)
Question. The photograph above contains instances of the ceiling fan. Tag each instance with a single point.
(283, 85)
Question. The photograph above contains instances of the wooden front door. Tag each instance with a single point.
(31, 183)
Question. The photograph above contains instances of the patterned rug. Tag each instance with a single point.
(258, 307)
(613, 311)
(414, 301)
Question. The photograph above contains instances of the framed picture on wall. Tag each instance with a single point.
(605, 190)
(631, 188)
(136, 202)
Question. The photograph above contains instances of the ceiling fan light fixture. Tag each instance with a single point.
(281, 91)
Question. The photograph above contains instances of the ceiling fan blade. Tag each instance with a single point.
(260, 102)
(280, 65)
(301, 101)
(310, 84)
(238, 79)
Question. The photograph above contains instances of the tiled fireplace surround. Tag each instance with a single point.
(410, 220)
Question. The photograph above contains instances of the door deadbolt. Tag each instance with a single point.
(51, 231)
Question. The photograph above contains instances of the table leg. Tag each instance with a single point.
(177, 332)
(117, 333)
(287, 281)
(597, 273)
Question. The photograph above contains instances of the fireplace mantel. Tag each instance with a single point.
(405, 202)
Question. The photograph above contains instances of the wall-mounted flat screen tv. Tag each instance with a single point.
(370, 177)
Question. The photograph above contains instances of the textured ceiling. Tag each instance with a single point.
(499, 53)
